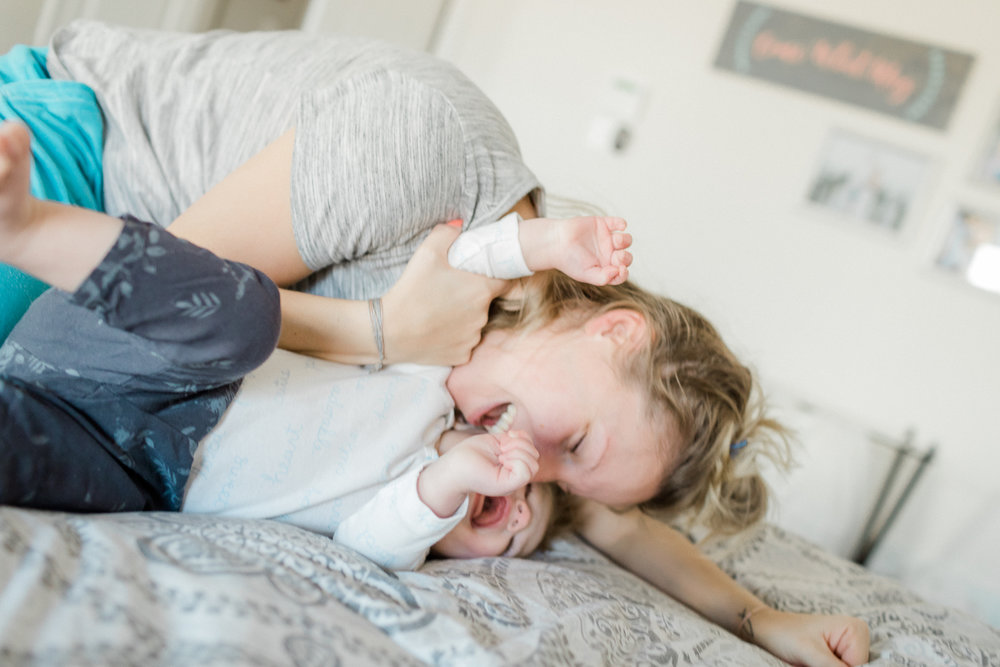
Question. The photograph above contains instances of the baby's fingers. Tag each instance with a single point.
(621, 240)
(614, 224)
(612, 275)
(516, 439)
(604, 275)
(617, 273)
(516, 475)
(511, 476)
(520, 465)
(528, 456)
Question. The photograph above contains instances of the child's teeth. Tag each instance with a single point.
(503, 424)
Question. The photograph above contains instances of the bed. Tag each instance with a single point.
(171, 589)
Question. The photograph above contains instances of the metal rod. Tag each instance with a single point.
(865, 554)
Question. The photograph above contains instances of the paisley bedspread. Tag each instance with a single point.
(170, 589)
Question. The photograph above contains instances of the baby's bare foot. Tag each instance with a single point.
(56, 243)
(15, 176)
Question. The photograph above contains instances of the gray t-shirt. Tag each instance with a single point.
(388, 141)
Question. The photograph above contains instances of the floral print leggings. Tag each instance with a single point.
(106, 392)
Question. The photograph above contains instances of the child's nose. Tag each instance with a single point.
(520, 516)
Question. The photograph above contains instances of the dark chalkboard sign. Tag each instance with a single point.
(914, 81)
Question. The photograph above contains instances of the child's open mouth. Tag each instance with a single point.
(499, 419)
(489, 510)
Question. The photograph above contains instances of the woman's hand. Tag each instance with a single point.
(809, 639)
(668, 560)
(435, 313)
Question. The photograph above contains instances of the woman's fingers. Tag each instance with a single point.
(434, 314)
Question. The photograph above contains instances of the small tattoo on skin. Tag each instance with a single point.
(745, 628)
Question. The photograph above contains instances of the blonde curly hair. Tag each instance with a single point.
(688, 373)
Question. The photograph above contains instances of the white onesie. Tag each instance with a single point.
(336, 450)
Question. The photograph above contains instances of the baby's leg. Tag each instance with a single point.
(105, 393)
(57, 244)
(107, 386)
(215, 320)
(52, 459)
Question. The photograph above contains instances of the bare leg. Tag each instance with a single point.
(57, 244)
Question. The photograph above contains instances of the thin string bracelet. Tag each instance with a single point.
(375, 313)
(745, 629)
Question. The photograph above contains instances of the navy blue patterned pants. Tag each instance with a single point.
(105, 393)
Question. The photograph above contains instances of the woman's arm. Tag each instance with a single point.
(665, 558)
(247, 216)
(432, 315)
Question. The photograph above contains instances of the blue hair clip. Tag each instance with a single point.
(737, 446)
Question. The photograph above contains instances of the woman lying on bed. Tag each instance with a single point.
(350, 152)
(107, 387)
(163, 361)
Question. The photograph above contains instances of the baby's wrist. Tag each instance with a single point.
(438, 489)
(536, 236)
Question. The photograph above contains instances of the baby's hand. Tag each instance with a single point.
(589, 249)
(493, 465)
(496, 464)
(517, 459)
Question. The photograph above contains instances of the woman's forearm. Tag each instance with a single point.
(665, 558)
(671, 560)
(334, 329)
(434, 314)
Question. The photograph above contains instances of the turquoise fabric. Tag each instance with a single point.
(67, 142)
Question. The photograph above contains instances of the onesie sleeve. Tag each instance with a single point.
(378, 160)
(395, 528)
(493, 250)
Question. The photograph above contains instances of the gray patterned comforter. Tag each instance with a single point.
(169, 589)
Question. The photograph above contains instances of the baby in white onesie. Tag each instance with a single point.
(372, 459)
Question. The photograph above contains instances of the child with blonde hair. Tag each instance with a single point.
(179, 335)
(112, 382)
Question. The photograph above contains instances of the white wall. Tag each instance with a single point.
(856, 322)
(248, 15)
(409, 23)
(34, 21)
(169, 14)
(18, 23)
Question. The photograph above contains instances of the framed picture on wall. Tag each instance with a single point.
(912, 81)
(971, 248)
(988, 166)
(867, 181)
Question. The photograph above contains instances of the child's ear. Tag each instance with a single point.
(626, 328)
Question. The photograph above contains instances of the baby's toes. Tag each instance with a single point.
(14, 140)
